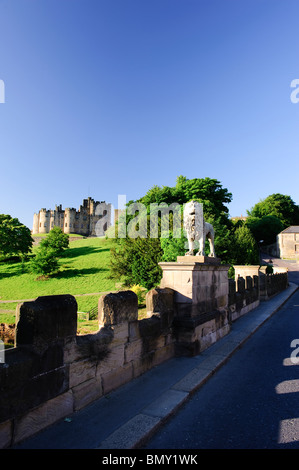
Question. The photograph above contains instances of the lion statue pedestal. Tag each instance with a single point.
(200, 285)
(196, 278)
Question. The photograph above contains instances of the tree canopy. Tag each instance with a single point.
(15, 238)
(206, 190)
(56, 240)
(45, 260)
(278, 205)
(265, 229)
(136, 260)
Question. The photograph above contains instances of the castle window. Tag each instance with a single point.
(66, 225)
(40, 224)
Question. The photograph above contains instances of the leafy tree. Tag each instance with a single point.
(206, 190)
(56, 240)
(213, 197)
(278, 205)
(15, 238)
(45, 261)
(135, 260)
(173, 247)
(265, 228)
(244, 249)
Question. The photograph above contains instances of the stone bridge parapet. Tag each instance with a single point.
(52, 372)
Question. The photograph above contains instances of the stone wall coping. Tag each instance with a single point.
(198, 259)
(247, 267)
(192, 266)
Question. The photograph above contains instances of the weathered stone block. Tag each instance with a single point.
(5, 434)
(134, 332)
(150, 326)
(141, 365)
(19, 385)
(133, 350)
(160, 300)
(19, 367)
(163, 354)
(42, 416)
(187, 348)
(117, 308)
(207, 340)
(117, 377)
(206, 329)
(81, 371)
(120, 334)
(86, 393)
(94, 345)
(240, 285)
(45, 320)
(114, 360)
(195, 282)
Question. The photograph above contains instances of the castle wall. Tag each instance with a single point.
(92, 218)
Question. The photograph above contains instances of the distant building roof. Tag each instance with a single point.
(240, 217)
(291, 229)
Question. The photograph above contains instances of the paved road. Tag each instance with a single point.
(293, 266)
(252, 402)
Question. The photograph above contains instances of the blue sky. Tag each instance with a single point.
(109, 97)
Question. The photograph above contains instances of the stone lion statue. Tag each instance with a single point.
(197, 229)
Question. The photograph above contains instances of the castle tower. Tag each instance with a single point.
(35, 228)
(69, 220)
(44, 221)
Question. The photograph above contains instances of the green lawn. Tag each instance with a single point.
(84, 269)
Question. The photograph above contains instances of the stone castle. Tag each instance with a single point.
(92, 219)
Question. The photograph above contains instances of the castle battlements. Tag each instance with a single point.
(92, 218)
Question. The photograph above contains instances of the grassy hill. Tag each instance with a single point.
(84, 269)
